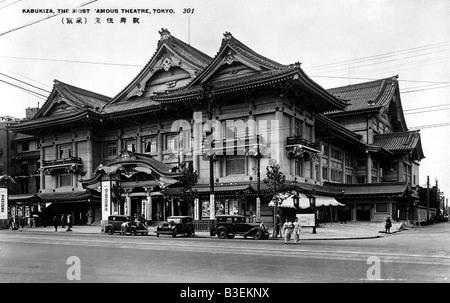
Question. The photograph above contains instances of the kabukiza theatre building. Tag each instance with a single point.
(225, 117)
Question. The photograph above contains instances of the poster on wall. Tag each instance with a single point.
(3, 203)
(205, 209)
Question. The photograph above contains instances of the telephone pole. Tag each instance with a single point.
(428, 198)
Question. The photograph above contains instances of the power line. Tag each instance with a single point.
(389, 54)
(71, 61)
(411, 109)
(430, 126)
(28, 78)
(43, 19)
(426, 111)
(9, 4)
(38, 95)
(25, 82)
(419, 90)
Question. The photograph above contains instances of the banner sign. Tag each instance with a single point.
(3, 203)
(128, 206)
(106, 199)
(258, 209)
(144, 208)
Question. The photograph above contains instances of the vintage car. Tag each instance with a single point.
(229, 226)
(176, 225)
(134, 227)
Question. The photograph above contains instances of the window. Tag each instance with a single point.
(348, 160)
(361, 163)
(316, 168)
(149, 144)
(381, 207)
(65, 151)
(111, 149)
(130, 145)
(393, 166)
(325, 150)
(325, 173)
(360, 180)
(336, 154)
(298, 128)
(336, 175)
(298, 167)
(308, 132)
(65, 179)
(349, 179)
(25, 146)
(235, 165)
(171, 142)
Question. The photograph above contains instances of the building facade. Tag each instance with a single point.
(225, 117)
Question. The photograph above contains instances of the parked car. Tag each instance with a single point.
(176, 225)
(134, 227)
(229, 226)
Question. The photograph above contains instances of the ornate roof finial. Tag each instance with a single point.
(227, 35)
(164, 32)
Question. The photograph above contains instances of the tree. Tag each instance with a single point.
(188, 179)
(275, 182)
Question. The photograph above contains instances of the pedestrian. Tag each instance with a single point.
(22, 222)
(262, 226)
(69, 222)
(277, 226)
(287, 228)
(343, 217)
(63, 221)
(55, 223)
(388, 224)
(297, 229)
(123, 228)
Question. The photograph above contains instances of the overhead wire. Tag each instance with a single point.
(9, 4)
(36, 94)
(25, 82)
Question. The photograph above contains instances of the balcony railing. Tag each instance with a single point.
(61, 162)
(298, 147)
(296, 140)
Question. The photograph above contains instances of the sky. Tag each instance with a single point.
(337, 42)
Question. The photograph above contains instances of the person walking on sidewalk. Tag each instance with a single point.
(388, 224)
(297, 228)
(55, 223)
(63, 221)
(277, 226)
(69, 222)
(287, 228)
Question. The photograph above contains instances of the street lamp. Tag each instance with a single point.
(312, 205)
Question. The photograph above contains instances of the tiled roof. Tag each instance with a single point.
(130, 106)
(386, 189)
(162, 168)
(192, 55)
(400, 142)
(366, 95)
(81, 97)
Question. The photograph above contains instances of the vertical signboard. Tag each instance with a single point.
(212, 211)
(106, 199)
(144, 208)
(258, 209)
(196, 209)
(3, 203)
(127, 206)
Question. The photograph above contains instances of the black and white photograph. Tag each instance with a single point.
(225, 148)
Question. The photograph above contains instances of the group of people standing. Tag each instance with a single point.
(63, 221)
(290, 229)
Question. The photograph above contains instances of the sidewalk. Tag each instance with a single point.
(327, 231)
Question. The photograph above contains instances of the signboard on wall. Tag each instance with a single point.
(3, 203)
(196, 209)
(106, 199)
(212, 211)
(306, 220)
(144, 208)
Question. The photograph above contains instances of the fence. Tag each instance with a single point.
(202, 224)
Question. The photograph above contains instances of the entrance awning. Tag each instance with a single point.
(68, 197)
(327, 201)
(23, 198)
(287, 200)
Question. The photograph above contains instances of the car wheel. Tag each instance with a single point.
(222, 234)
(110, 231)
(257, 235)
(174, 234)
(133, 232)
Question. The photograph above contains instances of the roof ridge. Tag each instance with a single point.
(356, 86)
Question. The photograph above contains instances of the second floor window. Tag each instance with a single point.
(298, 128)
(130, 145)
(235, 165)
(298, 167)
(149, 144)
(65, 151)
(25, 146)
(65, 179)
(111, 149)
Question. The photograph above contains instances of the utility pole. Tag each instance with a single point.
(258, 181)
(428, 198)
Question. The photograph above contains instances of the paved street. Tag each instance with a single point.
(408, 256)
